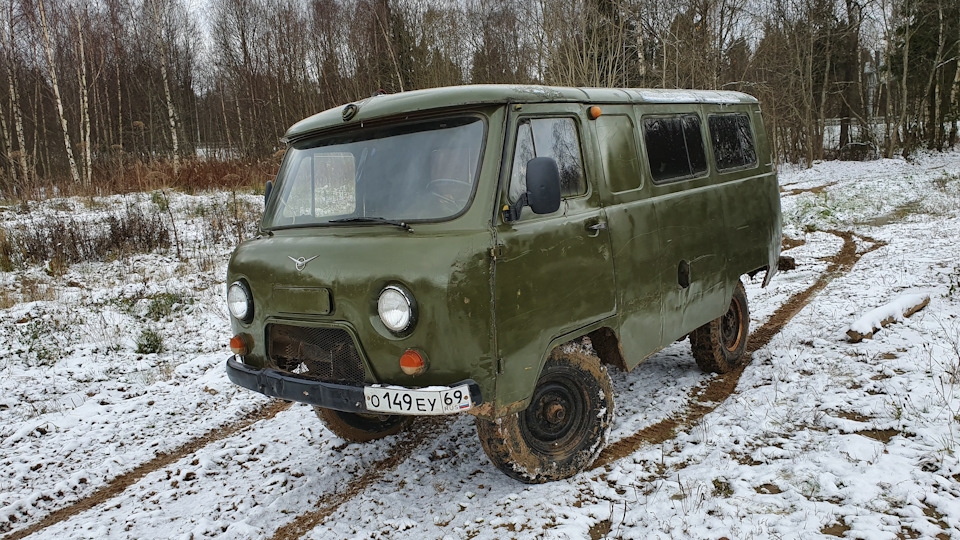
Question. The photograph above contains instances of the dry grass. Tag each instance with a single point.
(60, 242)
(235, 220)
(7, 299)
(36, 290)
(126, 174)
(6, 252)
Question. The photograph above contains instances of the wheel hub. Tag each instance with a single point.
(555, 413)
(730, 327)
(550, 412)
(555, 416)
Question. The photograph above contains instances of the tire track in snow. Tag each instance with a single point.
(408, 441)
(707, 396)
(121, 483)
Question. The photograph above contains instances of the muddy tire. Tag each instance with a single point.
(721, 345)
(563, 429)
(358, 428)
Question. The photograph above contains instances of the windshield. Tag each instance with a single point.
(410, 172)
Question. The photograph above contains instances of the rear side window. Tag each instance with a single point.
(556, 138)
(674, 147)
(732, 140)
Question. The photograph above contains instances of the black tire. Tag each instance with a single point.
(358, 428)
(563, 429)
(721, 345)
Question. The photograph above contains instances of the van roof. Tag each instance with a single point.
(383, 105)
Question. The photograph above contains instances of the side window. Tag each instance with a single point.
(674, 147)
(618, 150)
(556, 138)
(732, 140)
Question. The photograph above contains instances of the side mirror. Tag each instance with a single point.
(266, 192)
(543, 185)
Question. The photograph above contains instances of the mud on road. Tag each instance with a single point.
(423, 429)
(122, 482)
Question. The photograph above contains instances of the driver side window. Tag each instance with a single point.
(555, 138)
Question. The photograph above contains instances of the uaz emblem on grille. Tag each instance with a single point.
(301, 262)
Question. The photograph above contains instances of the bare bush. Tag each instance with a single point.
(234, 220)
(61, 242)
(6, 252)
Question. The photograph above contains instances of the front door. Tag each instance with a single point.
(553, 274)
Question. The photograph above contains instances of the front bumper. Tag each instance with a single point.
(340, 397)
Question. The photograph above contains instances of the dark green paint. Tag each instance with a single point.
(494, 298)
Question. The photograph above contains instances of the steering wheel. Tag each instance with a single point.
(436, 184)
(452, 194)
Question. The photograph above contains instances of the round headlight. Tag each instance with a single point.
(395, 308)
(240, 302)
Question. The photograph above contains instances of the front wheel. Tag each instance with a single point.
(563, 429)
(358, 428)
(721, 345)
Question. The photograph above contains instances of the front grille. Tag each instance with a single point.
(323, 354)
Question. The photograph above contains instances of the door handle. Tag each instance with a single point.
(596, 226)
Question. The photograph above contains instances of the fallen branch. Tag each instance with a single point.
(895, 311)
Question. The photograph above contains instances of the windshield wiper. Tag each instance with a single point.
(370, 219)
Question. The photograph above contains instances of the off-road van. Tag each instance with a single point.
(491, 249)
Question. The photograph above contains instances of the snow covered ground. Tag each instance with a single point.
(818, 436)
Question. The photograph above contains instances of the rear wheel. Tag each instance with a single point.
(721, 345)
(563, 429)
(356, 427)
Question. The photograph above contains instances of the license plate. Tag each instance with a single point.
(426, 402)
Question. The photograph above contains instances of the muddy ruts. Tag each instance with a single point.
(122, 482)
(422, 430)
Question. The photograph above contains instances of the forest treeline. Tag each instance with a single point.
(96, 91)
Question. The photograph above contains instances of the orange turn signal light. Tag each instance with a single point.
(593, 112)
(412, 362)
(238, 345)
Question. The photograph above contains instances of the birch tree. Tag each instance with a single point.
(158, 9)
(10, 53)
(84, 104)
(52, 72)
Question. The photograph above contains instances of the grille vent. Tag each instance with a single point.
(323, 354)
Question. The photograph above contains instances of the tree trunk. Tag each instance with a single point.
(52, 70)
(936, 137)
(171, 115)
(955, 99)
(902, 120)
(84, 106)
(15, 104)
(807, 89)
(118, 54)
(8, 149)
(226, 122)
(822, 115)
(387, 41)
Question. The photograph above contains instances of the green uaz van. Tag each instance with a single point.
(491, 249)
